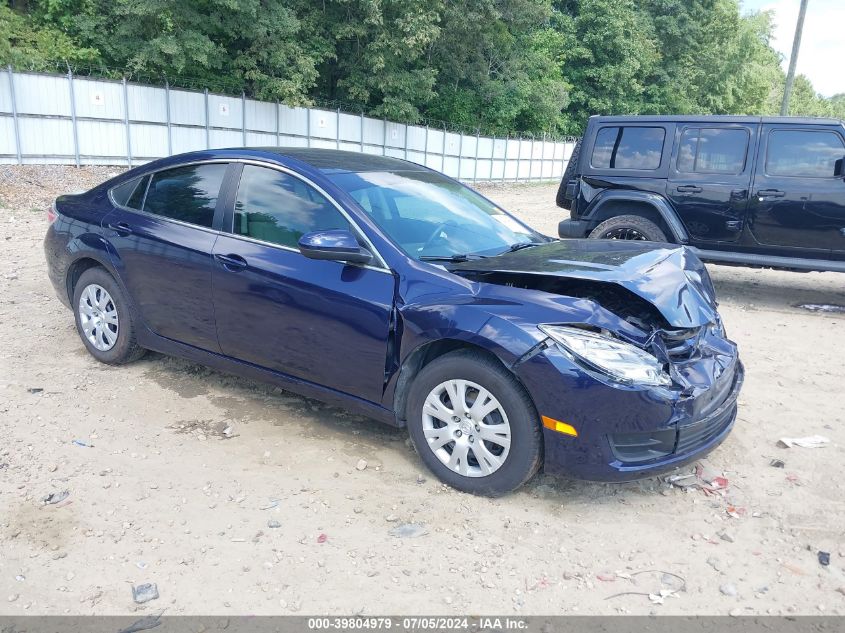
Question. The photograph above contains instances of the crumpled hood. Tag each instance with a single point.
(672, 279)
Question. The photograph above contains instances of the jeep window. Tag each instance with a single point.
(713, 150)
(811, 154)
(628, 148)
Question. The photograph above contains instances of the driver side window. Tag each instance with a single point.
(275, 207)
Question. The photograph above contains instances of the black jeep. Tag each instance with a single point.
(758, 191)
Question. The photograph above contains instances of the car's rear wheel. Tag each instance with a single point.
(628, 227)
(104, 318)
(473, 424)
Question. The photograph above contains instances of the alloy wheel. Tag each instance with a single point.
(623, 233)
(98, 317)
(466, 428)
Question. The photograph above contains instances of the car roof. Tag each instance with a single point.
(339, 161)
(716, 118)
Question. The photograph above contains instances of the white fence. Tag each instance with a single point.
(82, 121)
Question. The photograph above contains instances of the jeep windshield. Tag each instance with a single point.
(432, 217)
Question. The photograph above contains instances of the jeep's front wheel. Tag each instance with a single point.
(628, 227)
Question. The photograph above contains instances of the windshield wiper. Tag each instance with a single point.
(520, 245)
(458, 257)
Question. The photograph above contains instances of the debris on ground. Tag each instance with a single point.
(824, 558)
(670, 585)
(728, 589)
(55, 497)
(322, 538)
(735, 512)
(144, 593)
(82, 444)
(777, 463)
(273, 524)
(361, 465)
(704, 477)
(35, 389)
(409, 530)
(811, 441)
(822, 307)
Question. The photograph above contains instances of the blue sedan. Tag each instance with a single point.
(391, 290)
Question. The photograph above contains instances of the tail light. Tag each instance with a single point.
(52, 214)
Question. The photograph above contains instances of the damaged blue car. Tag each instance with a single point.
(391, 290)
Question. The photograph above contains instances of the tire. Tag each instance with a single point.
(97, 300)
(634, 225)
(515, 416)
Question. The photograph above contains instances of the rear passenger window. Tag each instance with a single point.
(275, 207)
(188, 194)
(628, 148)
(130, 194)
(803, 153)
(713, 150)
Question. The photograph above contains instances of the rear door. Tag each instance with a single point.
(798, 203)
(163, 249)
(710, 177)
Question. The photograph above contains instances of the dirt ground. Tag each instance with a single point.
(238, 498)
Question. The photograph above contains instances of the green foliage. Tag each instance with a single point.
(502, 65)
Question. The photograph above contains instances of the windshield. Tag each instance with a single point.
(430, 216)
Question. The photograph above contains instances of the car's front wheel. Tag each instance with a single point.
(473, 424)
(104, 318)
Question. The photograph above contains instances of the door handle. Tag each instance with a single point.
(121, 228)
(689, 189)
(770, 193)
(231, 262)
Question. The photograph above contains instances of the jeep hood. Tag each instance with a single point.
(672, 279)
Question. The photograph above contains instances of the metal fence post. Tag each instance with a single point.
(518, 159)
(169, 124)
(475, 166)
(460, 152)
(278, 133)
(443, 146)
(425, 147)
(126, 123)
(73, 115)
(492, 156)
(406, 141)
(207, 130)
(308, 124)
(243, 117)
(18, 150)
(505, 163)
(337, 130)
(384, 136)
(362, 131)
(531, 160)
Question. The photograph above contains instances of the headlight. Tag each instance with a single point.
(621, 361)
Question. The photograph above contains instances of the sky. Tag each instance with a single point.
(822, 53)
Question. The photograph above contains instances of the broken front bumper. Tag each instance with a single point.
(626, 432)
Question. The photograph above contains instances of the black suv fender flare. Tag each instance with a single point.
(596, 212)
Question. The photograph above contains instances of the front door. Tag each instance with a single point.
(321, 321)
(798, 202)
(162, 250)
(709, 180)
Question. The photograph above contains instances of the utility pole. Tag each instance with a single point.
(793, 60)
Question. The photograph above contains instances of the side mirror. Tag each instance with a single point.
(839, 168)
(336, 245)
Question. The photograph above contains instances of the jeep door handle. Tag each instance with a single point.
(689, 189)
(771, 193)
(232, 263)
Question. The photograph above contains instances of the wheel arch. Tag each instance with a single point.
(647, 205)
(76, 269)
(423, 355)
